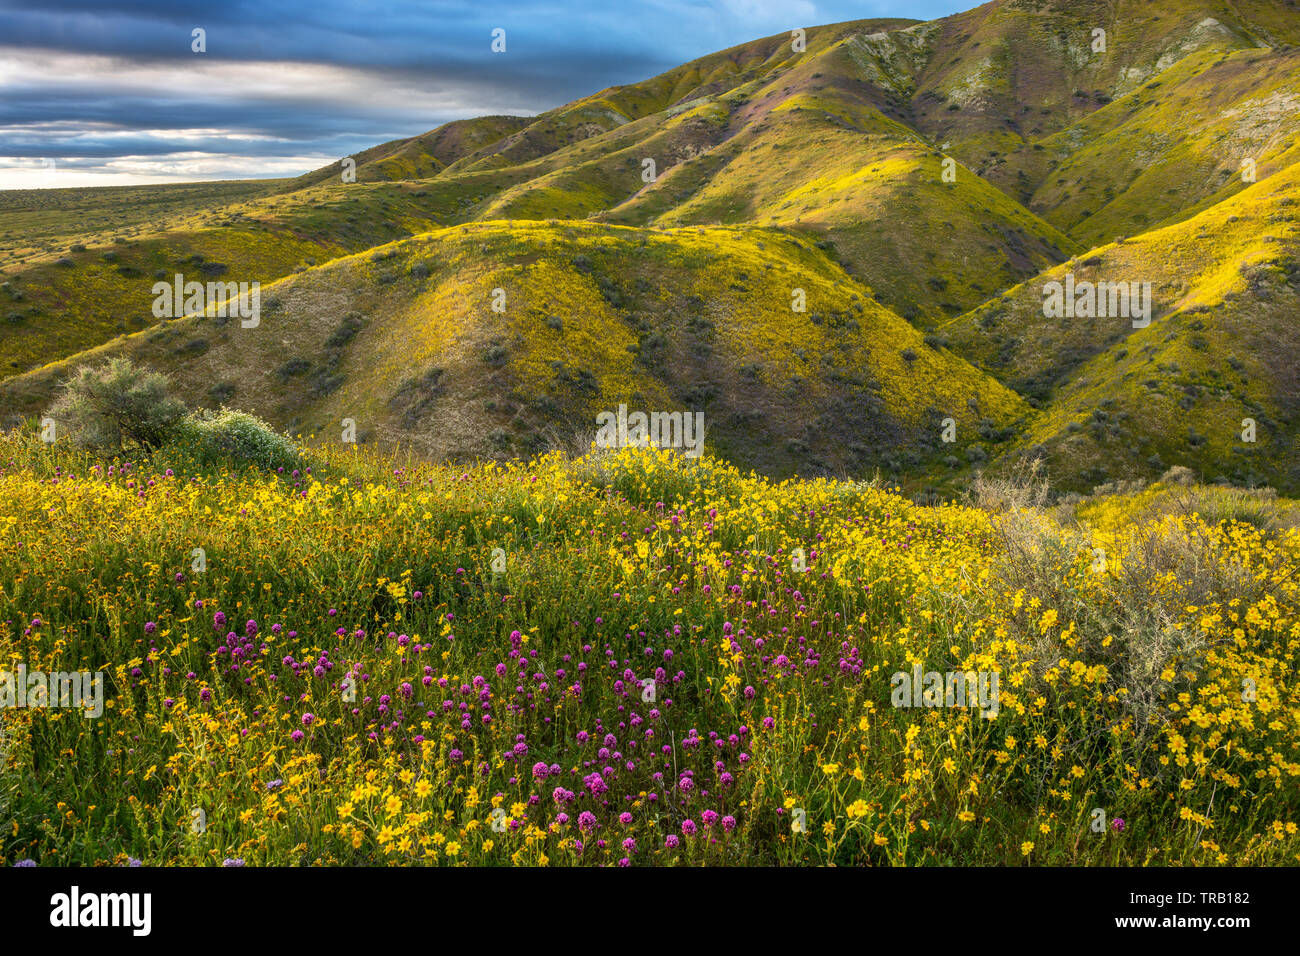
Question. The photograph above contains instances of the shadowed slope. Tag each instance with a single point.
(1223, 346)
(595, 316)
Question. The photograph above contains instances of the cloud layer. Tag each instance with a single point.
(98, 96)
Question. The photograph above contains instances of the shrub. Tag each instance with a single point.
(117, 404)
(295, 366)
(351, 324)
(239, 437)
(1179, 475)
(324, 382)
(1122, 615)
(1258, 507)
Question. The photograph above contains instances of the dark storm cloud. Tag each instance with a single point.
(450, 38)
(305, 83)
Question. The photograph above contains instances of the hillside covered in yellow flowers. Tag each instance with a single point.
(833, 244)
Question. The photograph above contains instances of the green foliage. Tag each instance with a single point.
(117, 404)
(236, 437)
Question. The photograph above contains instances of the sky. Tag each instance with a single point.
(115, 93)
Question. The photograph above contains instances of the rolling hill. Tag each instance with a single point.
(1222, 347)
(921, 182)
(404, 341)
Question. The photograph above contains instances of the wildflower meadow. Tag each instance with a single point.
(634, 658)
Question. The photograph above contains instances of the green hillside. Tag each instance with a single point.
(418, 157)
(1223, 346)
(404, 341)
(921, 182)
(1174, 146)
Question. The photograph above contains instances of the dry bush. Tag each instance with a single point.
(1025, 485)
(1259, 507)
(1137, 601)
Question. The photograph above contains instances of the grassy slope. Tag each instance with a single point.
(693, 318)
(1222, 347)
(57, 301)
(810, 144)
(418, 157)
(1026, 68)
(56, 305)
(1174, 146)
(1023, 99)
(841, 144)
(36, 222)
(925, 247)
(62, 310)
(755, 62)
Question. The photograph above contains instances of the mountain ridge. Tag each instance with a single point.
(945, 170)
